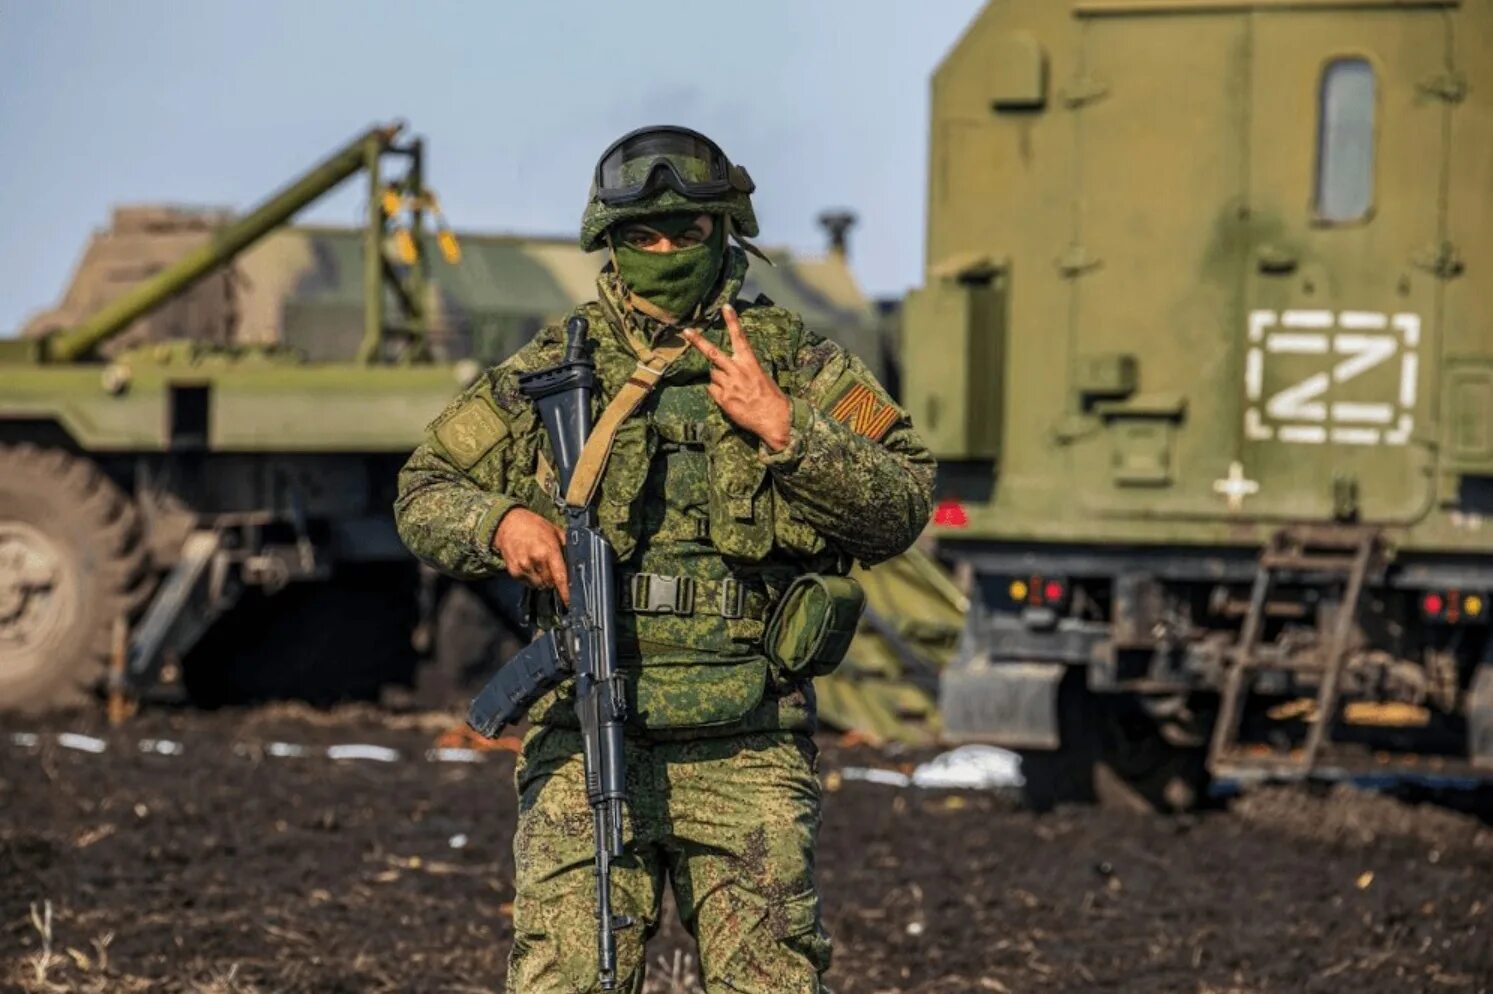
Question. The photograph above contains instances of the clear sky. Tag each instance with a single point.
(216, 103)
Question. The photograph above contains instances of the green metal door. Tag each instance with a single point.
(1162, 116)
(1347, 158)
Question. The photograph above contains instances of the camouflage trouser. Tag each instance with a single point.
(730, 821)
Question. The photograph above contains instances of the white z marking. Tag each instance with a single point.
(1364, 351)
(1291, 404)
(1364, 340)
(1297, 344)
(1363, 320)
(1307, 319)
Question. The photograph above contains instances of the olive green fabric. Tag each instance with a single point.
(598, 216)
(685, 493)
(675, 282)
(730, 822)
(815, 624)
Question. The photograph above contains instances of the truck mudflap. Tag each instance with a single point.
(1011, 704)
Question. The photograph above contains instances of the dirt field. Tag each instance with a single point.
(228, 868)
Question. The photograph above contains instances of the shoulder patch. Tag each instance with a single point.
(471, 432)
(862, 408)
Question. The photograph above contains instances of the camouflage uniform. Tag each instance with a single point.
(723, 794)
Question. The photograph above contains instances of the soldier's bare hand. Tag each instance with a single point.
(742, 388)
(534, 550)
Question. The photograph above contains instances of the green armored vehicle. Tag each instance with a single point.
(198, 446)
(1205, 347)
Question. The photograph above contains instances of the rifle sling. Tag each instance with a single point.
(598, 448)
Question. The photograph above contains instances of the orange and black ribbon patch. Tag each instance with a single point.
(862, 411)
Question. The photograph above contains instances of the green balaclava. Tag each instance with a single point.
(673, 282)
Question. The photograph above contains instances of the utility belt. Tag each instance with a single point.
(802, 631)
(808, 629)
(655, 593)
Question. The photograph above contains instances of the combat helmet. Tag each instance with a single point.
(663, 168)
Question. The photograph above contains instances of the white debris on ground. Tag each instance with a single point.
(83, 743)
(870, 774)
(161, 747)
(378, 754)
(969, 767)
(274, 750)
(451, 755)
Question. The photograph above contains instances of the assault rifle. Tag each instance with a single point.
(584, 644)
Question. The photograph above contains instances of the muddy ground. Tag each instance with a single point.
(226, 868)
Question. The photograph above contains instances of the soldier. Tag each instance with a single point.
(764, 453)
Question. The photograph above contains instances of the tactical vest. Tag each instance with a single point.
(704, 543)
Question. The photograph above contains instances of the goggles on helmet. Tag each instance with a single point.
(648, 160)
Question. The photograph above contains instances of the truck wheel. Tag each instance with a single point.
(72, 562)
(1112, 754)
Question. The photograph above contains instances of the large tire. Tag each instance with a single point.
(72, 563)
(1113, 754)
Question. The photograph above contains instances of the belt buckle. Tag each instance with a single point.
(733, 599)
(656, 594)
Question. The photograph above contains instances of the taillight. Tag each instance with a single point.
(950, 514)
(1451, 607)
(1037, 591)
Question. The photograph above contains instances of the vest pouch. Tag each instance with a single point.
(814, 624)
(740, 499)
(617, 510)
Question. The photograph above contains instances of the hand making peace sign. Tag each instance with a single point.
(742, 388)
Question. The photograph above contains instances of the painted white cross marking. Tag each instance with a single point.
(1235, 487)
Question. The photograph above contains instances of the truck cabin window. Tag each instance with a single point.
(1345, 142)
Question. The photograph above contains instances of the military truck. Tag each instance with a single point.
(1205, 347)
(199, 444)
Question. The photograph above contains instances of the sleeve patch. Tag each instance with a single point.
(863, 411)
(471, 432)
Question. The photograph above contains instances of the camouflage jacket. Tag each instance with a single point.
(686, 494)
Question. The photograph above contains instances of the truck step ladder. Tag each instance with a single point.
(1319, 552)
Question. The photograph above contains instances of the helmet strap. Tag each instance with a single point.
(737, 237)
